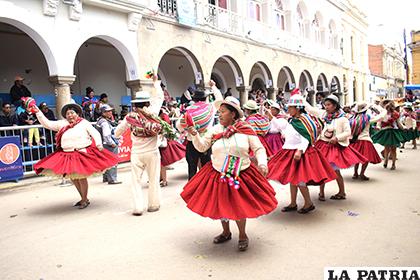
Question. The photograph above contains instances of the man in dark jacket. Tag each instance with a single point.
(18, 91)
(7, 117)
(47, 112)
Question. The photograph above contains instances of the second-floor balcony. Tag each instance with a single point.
(235, 24)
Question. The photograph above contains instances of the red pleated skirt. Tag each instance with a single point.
(312, 168)
(206, 195)
(367, 149)
(274, 141)
(268, 149)
(173, 152)
(342, 157)
(76, 164)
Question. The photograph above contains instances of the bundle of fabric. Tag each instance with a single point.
(200, 115)
(260, 123)
(357, 124)
(144, 124)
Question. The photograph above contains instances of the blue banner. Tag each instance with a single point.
(11, 167)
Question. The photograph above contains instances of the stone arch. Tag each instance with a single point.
(285, 80)
(261, 70)
(116, 66)
(306, 84)
(181, 69)
(39, 41)
(305, 81)
(229, 73)
(322, 85)
(335, 86)
(128, 57)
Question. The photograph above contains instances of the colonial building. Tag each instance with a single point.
(415, 53)
(386, 65)
(60, 46)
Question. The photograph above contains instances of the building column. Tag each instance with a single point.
(134, 86)
(62, 91)
(243, 93)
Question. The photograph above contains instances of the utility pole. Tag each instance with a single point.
(407, 72)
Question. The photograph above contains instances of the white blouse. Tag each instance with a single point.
(236, 145)
(76, 138)
(340, 126)
(293, 139)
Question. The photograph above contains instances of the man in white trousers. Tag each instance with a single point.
(145, 154)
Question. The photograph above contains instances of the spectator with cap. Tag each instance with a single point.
(7, 116)
(49, 114)
(103, 99)
(106, 127)
(89, 103)
(18, 91)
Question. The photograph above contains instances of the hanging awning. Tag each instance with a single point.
(412, 87)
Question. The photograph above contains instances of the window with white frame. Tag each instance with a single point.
(280, 15)
(254, 10)
(317, 30)
(301, 21)
(333, 37)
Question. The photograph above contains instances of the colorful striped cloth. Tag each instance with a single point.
(259, 123)
(308, 126)
(200, 115)
(358, 123)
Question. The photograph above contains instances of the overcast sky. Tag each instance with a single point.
(388, 18)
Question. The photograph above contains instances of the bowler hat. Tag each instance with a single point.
(71, 106)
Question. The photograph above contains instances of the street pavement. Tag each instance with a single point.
(43, 237)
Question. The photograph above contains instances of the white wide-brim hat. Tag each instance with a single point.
(232, 101)
(275, 105)
(251, 105)
(141, 96)
(360, 107)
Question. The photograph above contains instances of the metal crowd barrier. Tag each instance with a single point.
(32, 152)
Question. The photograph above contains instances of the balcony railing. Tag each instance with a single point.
(168, 7)
(222, 19)
(233, 23)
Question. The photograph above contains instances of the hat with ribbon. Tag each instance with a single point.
(232, 101)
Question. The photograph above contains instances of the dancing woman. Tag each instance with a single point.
(361, 141)
(230, 187)
(390, 135)
(334, 142)
(79, 152)
(298, 162)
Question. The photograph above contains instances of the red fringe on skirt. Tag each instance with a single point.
(173, 152)
(274, 141)
(367, 149)
(312, 168)
(342, 157)
(76, 164)
(207, 196)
